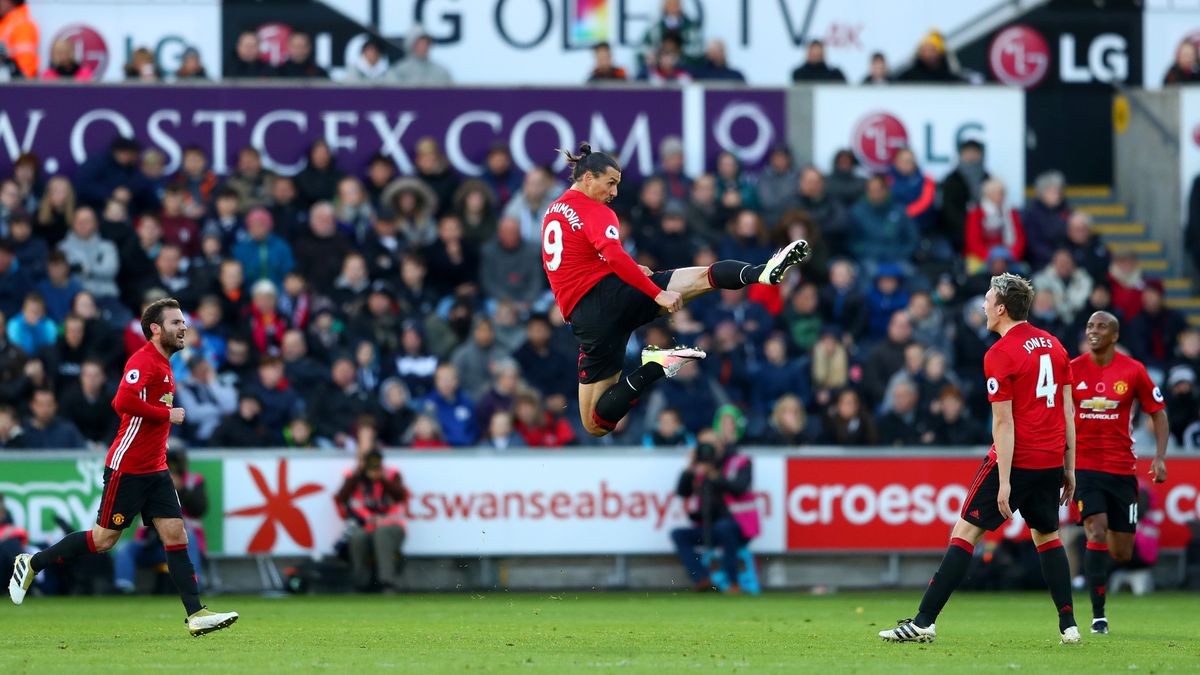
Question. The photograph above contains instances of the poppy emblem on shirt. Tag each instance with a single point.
(1120, 387)
(133, 376)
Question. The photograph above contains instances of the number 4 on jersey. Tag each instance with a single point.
(1046, 387)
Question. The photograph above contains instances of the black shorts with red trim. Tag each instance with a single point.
(1034, 492)
(128, 494)
(1113, 494)
(603, 320)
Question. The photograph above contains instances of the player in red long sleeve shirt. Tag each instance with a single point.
(136, 479)
(606, 296)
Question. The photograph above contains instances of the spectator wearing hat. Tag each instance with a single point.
(814, 68)
(412, 204)
(999, 260)
(603, 68)
(931, 64)
(1152, 334)
(115, 174)
(511, 267)
(263, 255)
(372, 501)
(844, 184)
(1045, 218)
(777, 183)
(992, 223)
(371, 66)
(672, 246)
(880, 229)
(962, 190)
(300, 62)
(417, 67)
(886, 296)
(1183, 400)
(206, 398)
(266, 325)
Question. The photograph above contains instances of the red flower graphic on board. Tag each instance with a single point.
(280, 509)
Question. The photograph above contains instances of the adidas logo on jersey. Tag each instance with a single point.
(166, 378)
(1081, 385)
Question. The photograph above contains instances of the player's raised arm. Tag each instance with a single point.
(1068, 406)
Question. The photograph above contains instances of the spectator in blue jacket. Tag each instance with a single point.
(280, 402)
(15, 283)
(115, 174)
(451, 407)
(776, 375)
(263, 255)
(58, 289)
(31, 329)
(880, 229)
(750, 317)
(885, 297)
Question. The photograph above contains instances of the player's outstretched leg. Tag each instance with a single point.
(74, 545)
(1057, 573)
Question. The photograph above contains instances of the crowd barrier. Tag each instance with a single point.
(476, 503)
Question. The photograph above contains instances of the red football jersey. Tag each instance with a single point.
(1103, 401)
(1029, 367)
(144, 401)
(577, 235)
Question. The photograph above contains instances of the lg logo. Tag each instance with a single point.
(876, 138)
(90, 50)
(1107, 59)
(1020, 56)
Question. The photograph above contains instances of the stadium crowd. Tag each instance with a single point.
(378, 310)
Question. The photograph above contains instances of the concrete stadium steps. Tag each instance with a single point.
(1113, 222)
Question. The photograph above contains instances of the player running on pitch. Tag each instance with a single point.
(1107, 496)
(605, 295)
(136, 479)
(1033, 456)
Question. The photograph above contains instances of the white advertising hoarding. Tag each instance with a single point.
(484, 505)
(1163, 30)
(545, 41)
(105, 33)
(930, 120)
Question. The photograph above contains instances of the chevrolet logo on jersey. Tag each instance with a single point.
(1097, 403)
(169, 399)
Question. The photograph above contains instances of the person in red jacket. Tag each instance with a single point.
(993, 223)
(539, 427)
(373, 502)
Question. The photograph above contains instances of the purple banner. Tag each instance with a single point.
(746, 122)
(62, 125)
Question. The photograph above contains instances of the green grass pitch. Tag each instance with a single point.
(592, 632)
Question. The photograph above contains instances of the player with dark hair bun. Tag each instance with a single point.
(605, 295)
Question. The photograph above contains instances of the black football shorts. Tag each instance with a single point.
(1034, 492)
(126, 495)
(603, 320)
(1110, 493)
